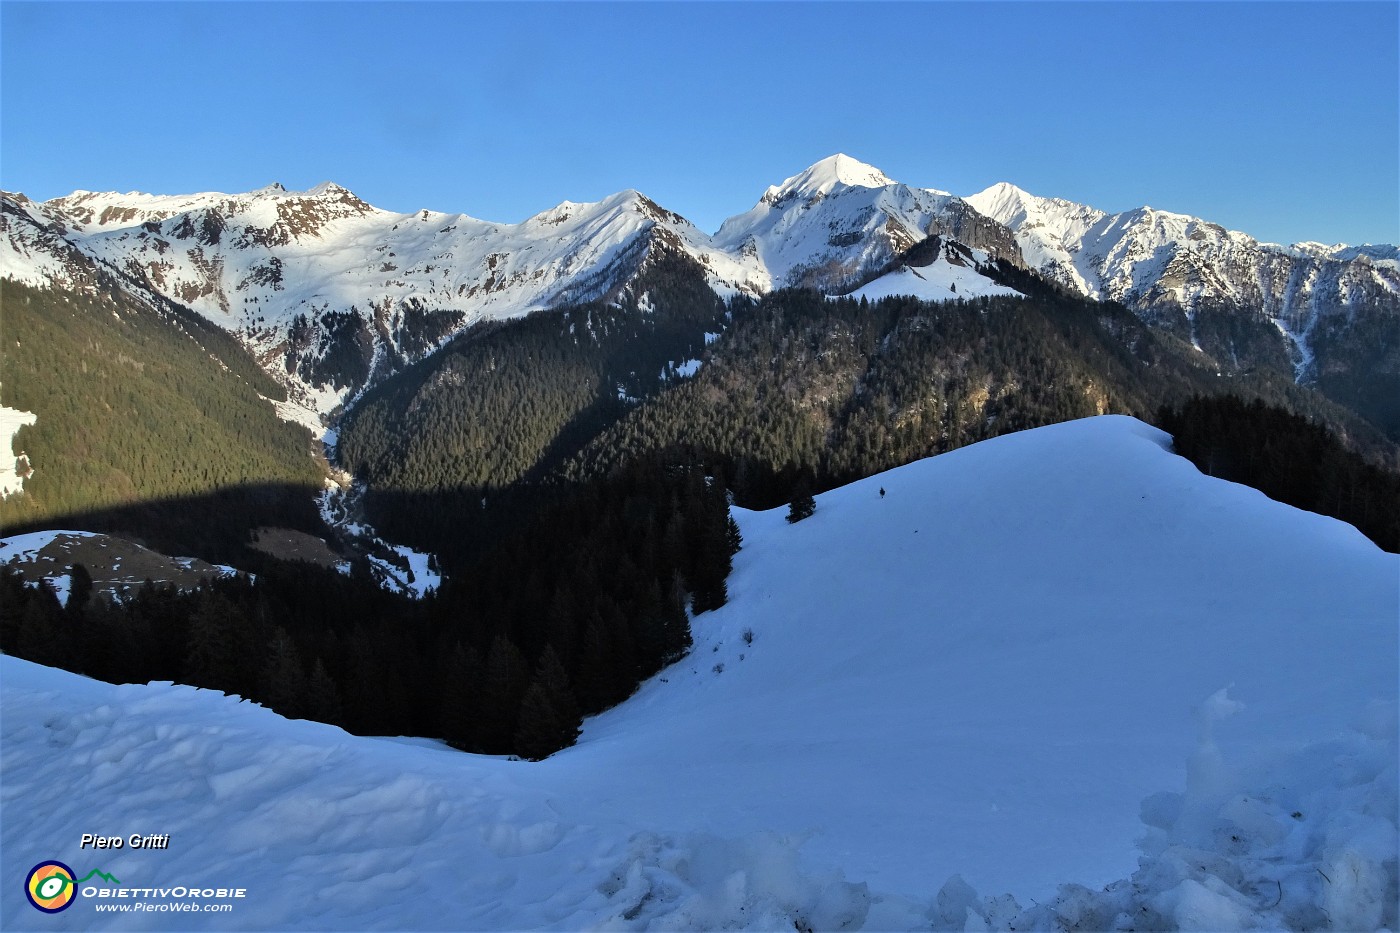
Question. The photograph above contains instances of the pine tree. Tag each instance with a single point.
(733, 538)
(210, 660)
(507, 678)
(801, 507)
(462, 691)
(79, 588)
(42, 632)
(284, 680)
(549, 715)
(322, 696)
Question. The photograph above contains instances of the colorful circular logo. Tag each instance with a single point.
(50, 887)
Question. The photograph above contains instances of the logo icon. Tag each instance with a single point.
(51, 887)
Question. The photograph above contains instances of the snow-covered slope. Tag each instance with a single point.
(1160, 263)
(955, 271)
(992, 669)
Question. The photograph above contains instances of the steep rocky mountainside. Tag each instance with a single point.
(1331, 313)
(332, 294)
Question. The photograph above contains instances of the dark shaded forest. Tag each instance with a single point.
(1289, 458)
(566, 617)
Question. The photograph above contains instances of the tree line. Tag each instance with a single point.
(1290, 458)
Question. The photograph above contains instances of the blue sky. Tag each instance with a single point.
(1282, 120)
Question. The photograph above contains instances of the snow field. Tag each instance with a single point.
(941, 280)
(1059, 680)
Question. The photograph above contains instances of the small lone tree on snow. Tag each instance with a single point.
(801, 507)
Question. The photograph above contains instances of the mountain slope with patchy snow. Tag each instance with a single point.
(333, 294)
(1168, 265)
(989, 664)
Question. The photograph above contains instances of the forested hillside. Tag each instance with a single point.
(801, 386)
(151, 411)
(459, 443)
(1289, 458)
(572, 610)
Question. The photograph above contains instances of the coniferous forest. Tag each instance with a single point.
(150, 424)
(568, 614)
(1289, 458)
(572, 472)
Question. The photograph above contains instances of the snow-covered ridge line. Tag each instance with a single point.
(334, 294)
(1161, 264)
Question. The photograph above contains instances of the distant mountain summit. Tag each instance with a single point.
(333, 294)
(821, 177)
(1179, 271)
(832, 225)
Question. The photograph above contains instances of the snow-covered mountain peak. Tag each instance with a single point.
(821, 178)
(325, 188)
(628, 201)
(1004, 194)
(833, 224)
(1016, 207)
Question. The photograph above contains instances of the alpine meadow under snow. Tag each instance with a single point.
(1061, 665)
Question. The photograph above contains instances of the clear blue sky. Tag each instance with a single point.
(1281, 120)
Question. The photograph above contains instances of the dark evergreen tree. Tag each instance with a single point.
(213, 658)
(323, 696)
(733, 538)
(43, 635)
(802, 506)
(463, 690)
(507, 678)
(549, 714)
(285, 688)
(79, 589)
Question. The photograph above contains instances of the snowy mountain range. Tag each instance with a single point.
(1058, 680)
(1170, 267)
(332, 294)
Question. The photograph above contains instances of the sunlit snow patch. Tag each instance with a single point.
(954, 273)
(14, 469)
